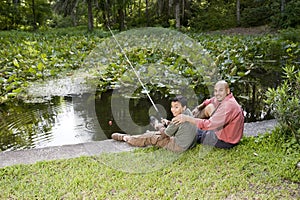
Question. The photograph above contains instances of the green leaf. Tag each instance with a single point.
(16, 63)
(40, 66)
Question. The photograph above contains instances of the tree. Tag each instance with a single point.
(90, 15)
(238, 12)
(177, 14)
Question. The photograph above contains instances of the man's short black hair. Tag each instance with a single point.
(181, 99)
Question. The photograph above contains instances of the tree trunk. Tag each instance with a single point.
(121, 17)
(140, 10)
(177, 14)
(282, 6)
(147, 12)
(90, 15)
(238, 12)
(74, 13)
(160, 7)
(170, 8)
(106, 13)
(34, 15)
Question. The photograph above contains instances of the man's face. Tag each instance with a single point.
(176, 108)
(221, 91)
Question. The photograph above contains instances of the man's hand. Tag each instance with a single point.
(179, 119)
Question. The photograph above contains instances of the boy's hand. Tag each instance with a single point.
(165, 122)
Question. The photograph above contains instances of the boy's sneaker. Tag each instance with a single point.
(118, 136)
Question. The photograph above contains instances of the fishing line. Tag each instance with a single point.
(137, 75)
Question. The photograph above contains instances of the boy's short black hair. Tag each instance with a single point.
(181, 99)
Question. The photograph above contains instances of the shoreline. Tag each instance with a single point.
(31, 156)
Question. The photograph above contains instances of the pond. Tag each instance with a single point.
(75, 119)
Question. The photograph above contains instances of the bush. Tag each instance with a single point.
(289, 18)
(291, 34)
(284, 102)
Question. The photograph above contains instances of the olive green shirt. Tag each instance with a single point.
(184, 134)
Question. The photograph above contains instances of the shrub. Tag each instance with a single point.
(291, 34)
(284, 102)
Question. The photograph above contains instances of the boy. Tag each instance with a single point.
(176, 138)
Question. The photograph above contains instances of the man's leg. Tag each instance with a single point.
(201, 135)
(210, 138)
(209, 110)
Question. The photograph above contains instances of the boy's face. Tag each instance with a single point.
(176, 108)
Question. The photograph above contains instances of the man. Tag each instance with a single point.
(176, 138)
(224, 128)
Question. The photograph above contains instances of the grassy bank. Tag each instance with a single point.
(252, 170)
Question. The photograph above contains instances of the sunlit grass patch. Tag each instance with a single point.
(249, 170)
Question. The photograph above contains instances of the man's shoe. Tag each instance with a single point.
(118, 136)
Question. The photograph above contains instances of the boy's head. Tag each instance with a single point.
(178, 105)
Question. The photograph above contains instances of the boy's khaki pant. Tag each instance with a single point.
(154, 138)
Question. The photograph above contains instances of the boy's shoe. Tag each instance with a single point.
(118, 136)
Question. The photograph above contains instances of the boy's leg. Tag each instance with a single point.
(148, 138)
(153, 138)
(171, 145)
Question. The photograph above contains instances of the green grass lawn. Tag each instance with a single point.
(252, 170)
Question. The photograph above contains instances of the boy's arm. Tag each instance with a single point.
(171, 129)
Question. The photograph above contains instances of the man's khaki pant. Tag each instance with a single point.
(154, 138)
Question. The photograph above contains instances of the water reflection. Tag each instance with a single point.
(73, 119)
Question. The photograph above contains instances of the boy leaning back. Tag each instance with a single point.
(176, 138)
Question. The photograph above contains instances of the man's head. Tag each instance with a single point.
(178, 105)
(221, 90)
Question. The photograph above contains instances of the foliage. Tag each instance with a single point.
(291, 34)
(257, 14)
(244, 61)
(284, 102)
(262, 172)
(206, 16)
(196, 15)
(33, 56)
(287, 18)
(24, 15)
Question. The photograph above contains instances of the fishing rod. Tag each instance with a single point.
(136, 74)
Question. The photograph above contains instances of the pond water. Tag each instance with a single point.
(74, 119)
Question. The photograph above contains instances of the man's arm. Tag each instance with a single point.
(217, 120)
(185, 118)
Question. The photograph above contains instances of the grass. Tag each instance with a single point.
(252, 170)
